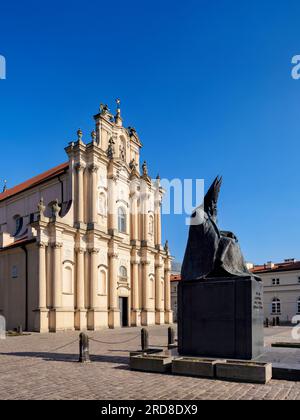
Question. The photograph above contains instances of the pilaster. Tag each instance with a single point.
(168, 311)
(136, 310)
(114, 311)
(80, 311)
(159, 309)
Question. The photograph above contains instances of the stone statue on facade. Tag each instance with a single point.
(110, 150)
(211, 252)
(122, 153)
(79, 135)
(132, 165)
(41, 207)
(55, 209)
(145, 169)
(104, 110)
(132, 131)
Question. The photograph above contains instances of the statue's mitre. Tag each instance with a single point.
(212, 194)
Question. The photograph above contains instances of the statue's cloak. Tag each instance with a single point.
(210, 253)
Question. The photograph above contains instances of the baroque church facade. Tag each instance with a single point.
(80, 245)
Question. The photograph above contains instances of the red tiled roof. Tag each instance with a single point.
(284, 266)
(20, 242)
(51, 173)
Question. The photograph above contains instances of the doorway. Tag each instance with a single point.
(123, 305)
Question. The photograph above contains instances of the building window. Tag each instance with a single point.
(152, 287)
(123, 274)
(121, 220)
(18, 224)
(275, 282)
(298, 305)
(276, 306)
(102, 282)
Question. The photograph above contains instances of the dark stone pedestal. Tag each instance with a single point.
(221, 317)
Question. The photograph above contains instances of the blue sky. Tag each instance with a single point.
(207, 84)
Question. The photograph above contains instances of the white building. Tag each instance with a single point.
(281, 289)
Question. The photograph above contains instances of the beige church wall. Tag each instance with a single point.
(68, 272)
(141, 285)
(86, 188)
(102, 197)
(102, 280)
(135, 154)
(33, 286)
(151, 283)
(49, 276)
(13, 285)
(124, 261)
(26, 203)
(122, 201)
(68, 195)
(86, 280)
(2, 282)
(50, 192)
(105, 136)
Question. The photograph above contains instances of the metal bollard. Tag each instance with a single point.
(20, 330)
(267, 323)
(171, 337)
(84, 354)
(144, 339)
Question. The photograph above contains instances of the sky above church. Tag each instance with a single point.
(206, 83)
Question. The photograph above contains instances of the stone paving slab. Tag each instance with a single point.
(32, 367)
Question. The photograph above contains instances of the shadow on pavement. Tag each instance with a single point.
(68, 357)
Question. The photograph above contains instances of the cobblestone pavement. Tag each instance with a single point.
(36, 367)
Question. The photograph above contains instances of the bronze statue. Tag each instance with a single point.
(211, 252)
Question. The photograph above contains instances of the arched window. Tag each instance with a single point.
(276, 306)
(67, 284)
(123, 273)
(151, 225)
(121, 220)
(102, 282)
(152, 287)
(18, 224)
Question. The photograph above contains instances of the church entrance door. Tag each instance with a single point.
(123, 305)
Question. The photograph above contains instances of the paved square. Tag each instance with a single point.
(38, 367)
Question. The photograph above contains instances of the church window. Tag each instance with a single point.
(121, 220)
(123, 273)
